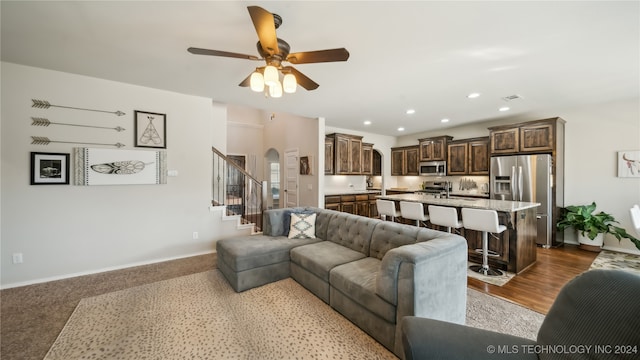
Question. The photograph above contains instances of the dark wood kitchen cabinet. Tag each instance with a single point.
(329, 158)
(434, 149)
(358, 204)
(458, 152)
(367, 159)
(539, 136)
(468, 157)
(479, 160)
(347, 155)
(404, 161)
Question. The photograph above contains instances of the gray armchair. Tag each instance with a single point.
(595, 316)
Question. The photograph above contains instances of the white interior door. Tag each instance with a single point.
(291, 178)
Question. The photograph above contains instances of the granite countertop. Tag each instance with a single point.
(476, 203)
(350, 192)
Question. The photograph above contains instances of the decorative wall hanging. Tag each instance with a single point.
(305, 165)
(37, 121)
(49, 168)
(96, 166)
(150, 129)
(43, 140)
(43, 104)
(629, 163)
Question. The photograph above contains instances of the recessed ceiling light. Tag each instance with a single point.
(411, 111)
(444, 120)
(504, 108)
(367, 122)
(473, 95)
(400, 129)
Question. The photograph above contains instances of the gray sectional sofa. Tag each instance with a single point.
(371, 271)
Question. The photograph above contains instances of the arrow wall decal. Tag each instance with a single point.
(44, 104)
(36, 121)
(43, 140)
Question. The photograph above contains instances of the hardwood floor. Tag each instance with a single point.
(537, 287)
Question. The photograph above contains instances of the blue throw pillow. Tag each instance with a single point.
(286, 221)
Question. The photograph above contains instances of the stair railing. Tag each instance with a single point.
(241, 193)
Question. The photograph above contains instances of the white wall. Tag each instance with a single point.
(593, 136)
(64, 230)
(245, 137)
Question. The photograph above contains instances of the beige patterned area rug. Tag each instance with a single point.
(200, 317)
(617, 260)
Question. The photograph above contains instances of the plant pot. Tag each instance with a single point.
(594, 245)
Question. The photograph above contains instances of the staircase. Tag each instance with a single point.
(240, 193)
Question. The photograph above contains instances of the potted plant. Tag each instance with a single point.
(592, 227)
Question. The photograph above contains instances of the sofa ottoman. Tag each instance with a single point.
(256, 260)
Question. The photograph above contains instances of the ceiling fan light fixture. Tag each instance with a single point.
(257, 82)
(271, 76)
(275, 91)
(289, 83)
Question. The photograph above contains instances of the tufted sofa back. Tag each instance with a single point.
(351, 231)
(389, 235)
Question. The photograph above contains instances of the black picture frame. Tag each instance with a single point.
(150, 130)
(49, 168)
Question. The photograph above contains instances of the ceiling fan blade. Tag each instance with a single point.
(301, 78)
(318, 56)
(246, 82)
(199, 51)
(266, 29)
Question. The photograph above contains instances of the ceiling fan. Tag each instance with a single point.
(274, 52)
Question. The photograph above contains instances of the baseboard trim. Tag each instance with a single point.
(97, 271)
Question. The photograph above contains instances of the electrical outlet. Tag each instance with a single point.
(17, 258)
(195, 235)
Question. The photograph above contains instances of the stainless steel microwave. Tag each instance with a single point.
(433, 168)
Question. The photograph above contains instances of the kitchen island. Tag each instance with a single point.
(515, 247)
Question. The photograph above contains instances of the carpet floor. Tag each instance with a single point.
(200, 316)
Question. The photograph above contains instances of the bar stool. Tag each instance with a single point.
(388, 208)
(444, 216)
(487, 222)
(413, 211)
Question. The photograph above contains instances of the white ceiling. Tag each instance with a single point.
(424, 55)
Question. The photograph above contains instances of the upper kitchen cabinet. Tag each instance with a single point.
(346, 157)
(479, 159)
(539, 136)
(404, 160)
(435, 148)
(458, 158)
(367, 159)
(329, 158)
(468, 157)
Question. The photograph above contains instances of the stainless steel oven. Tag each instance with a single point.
(433, 168)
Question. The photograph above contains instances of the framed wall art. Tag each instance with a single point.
(629, 163)
(99, 166)
(49, 168)
(305, 165)
(150, 129)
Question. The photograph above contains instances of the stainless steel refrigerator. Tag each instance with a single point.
(526, 178)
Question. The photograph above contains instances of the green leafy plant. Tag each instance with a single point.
(582, 218)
